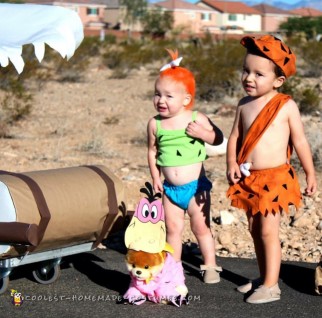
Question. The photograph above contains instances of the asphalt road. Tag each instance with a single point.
(91, 284)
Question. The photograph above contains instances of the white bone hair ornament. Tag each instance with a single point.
(173, 63)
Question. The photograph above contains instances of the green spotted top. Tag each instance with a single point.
(176, 148)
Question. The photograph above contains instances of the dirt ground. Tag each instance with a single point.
(103, 121)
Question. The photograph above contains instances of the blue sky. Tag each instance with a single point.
(283, 4)
(285, 1)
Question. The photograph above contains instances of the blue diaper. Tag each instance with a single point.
(182, 194)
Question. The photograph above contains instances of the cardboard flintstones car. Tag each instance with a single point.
(46, 215)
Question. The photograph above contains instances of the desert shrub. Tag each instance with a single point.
(207, 39)
(108, 40)
(112, 120)
(112, 59)
(310, 26)
(15, 101)
(93, 146)
(14, 87)
(216, 69)
(215, 66)
(290, 87)
(119, 73)
(32, 70)
(139, 141)
(15, 105)
(311, 54)
(310, 101)
(3, 130)
(73, 70)
(134, 54)
(307, 98)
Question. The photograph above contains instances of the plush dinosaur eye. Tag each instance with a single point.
(154, 212)
(133, 265)
(145, 211)
(146, 267)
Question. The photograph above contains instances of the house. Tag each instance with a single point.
(233, 15)
(91, 12)
(188, 17)
(307, 12)
(112, 13)
(272, 17)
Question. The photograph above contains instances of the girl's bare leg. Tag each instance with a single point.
(174, 219)
(199, 213)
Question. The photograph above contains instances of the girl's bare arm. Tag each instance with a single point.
(152, 156)
(203, 128)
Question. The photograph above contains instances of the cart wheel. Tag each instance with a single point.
(4, 283)
(46, 274)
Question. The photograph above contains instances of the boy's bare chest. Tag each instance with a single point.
(250, 113)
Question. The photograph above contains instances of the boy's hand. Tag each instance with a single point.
(311, 185)
(233, 173)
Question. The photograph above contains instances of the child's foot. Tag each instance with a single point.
(211, 274)
(264, 294)
(252, 284)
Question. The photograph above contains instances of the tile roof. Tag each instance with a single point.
(230, 7)
(57, 2)
(179, 4)
(108, 3)
(307, 12)
(267, 9)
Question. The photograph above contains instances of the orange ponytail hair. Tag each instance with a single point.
(181, 75)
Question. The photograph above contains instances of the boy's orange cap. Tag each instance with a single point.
(275, 50)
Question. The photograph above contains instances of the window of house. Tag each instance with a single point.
(205, 16)
(92, 11)
(232, 17)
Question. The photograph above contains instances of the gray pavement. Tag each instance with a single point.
(91, 283)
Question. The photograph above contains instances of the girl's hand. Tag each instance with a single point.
(233, 173)
(196, 130)
(157, 186)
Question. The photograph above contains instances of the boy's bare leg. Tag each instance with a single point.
(272, 248)
(265, 233)
(174, 219)
(255, 231)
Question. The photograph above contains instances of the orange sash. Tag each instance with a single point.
(260, 124)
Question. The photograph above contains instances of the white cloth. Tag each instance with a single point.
(244, 168)
(35, 24)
